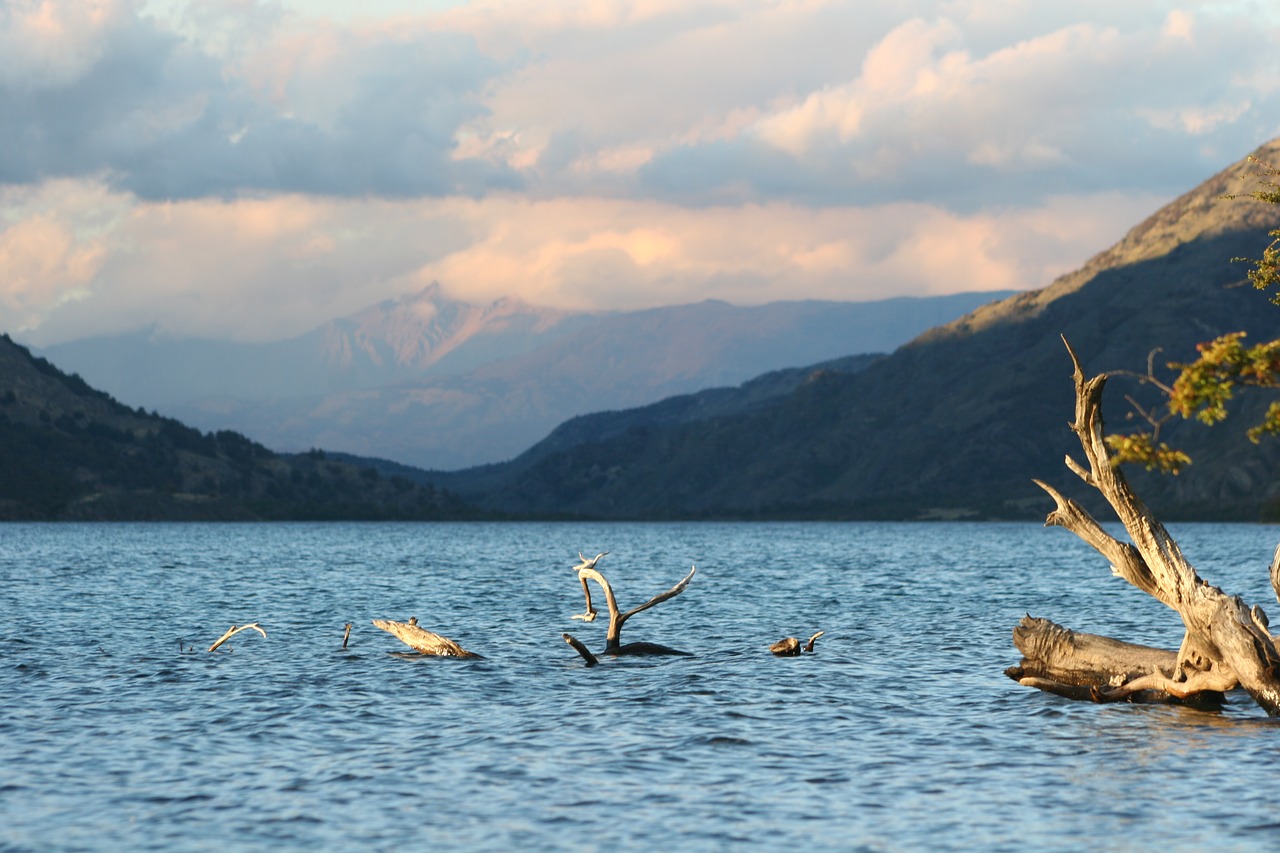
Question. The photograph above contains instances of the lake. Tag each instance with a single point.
(118, 730)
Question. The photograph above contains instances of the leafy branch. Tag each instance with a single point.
(1204, 387)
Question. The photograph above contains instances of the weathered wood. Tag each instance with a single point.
(1052, 651)
(586, 571)
(346, 635)
(581, 649)
(1225, 643)
(791, 647)
(589, 615)
(1092, 667)
(786, 648)
(422, 640)
(1274, 572)
(236, 629)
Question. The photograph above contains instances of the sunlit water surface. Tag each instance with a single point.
(119, 731)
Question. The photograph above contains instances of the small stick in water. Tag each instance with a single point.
(346, 634)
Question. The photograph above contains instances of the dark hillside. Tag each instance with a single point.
(70, 452)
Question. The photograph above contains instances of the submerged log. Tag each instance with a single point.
(587, 571)
(1226, 643)
(1087, 666)
(790, 646)
(422, 640)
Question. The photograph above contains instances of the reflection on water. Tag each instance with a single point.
(119, 731)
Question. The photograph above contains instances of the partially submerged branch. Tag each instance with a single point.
(236, 629)
(581, 649)
(790, 646)
(1274, 572)
(589, 615)
(617, 618)
(422, 640)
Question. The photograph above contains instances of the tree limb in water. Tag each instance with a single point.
(587, 571)
(422, 640)
(581, 649)
(233, 630)
(790, 646)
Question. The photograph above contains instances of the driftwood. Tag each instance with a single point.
(581, 649)
(790, 646)
(346, 635)
(613, 644)
(422, 640)
(236, 629)
(1079, 666)
(1226, 643)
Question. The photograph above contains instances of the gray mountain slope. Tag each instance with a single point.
(440, 384)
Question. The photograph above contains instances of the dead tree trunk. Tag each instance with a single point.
(613, 644)
(1226, 643)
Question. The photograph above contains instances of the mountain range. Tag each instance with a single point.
(956, 423)
(438, 383)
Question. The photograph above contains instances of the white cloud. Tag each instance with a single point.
(253, 168)
(46, 43)
(1081, 105)
(265, 103)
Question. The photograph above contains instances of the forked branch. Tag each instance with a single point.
(1226, 642)
(587, 571)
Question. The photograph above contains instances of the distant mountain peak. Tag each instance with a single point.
(417, 330)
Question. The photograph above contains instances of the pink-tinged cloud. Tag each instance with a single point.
(260, 269)
(249, 170)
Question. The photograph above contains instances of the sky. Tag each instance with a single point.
(247, 170)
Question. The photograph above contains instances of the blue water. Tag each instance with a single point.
(119, 731)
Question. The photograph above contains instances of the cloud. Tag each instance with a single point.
(964, 103)
(51, 250)
(591, 254)
(82, 259)
(312, 110)
(1082, 107)
(251, 169)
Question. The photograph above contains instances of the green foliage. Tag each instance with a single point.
(1265, 274)
(1142, 448)
(1204, 387)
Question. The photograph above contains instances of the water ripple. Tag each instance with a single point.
(899, 733)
